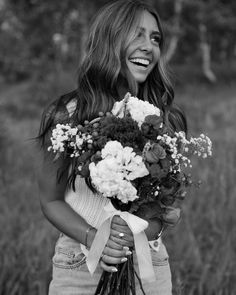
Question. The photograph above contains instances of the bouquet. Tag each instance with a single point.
(132, 156)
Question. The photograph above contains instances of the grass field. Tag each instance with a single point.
(202, 246)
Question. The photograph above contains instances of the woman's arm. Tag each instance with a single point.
(65, 219)
(154, 229)
(54, 207)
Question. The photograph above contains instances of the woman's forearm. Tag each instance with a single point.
(66, 220)
(153, 229)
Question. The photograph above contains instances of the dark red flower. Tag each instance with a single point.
(155, 121)
(155, 153)
(145, 128)
(156, 171)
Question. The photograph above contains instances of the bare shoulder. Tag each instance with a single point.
(71, 106)
(52, 172)
(61, 109)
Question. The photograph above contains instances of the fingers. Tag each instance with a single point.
(120, 232)
(118, 220)
(111, 257)
(121, 241)
(113, 254)
(122, 235)
(113, 260)
(121, 228)
(108, 268)
(114, 245)
(110, 252)
(119, 224)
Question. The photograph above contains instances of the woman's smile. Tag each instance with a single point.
(143, 52)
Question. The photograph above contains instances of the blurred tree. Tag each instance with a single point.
(175, 29)
(201, 29)
(203, 14)
(38, 36)
(39, 33)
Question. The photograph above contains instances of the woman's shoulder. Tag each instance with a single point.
(61, 109)
(71, 106)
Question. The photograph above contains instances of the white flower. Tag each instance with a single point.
(112, 175)
(79, 141)
(127, 192)
(109, 181)
(138, 109)
(111, 149)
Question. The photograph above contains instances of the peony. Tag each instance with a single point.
(127, 192)
(138, 109)
(155, 153)
(112, 175)
(109, 180)
(111, 149)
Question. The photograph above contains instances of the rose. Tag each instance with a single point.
(154, 121)
(154, 153)
(152, 126)
(156, 171)
(165, 164)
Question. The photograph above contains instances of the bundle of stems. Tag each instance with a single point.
(121, 282)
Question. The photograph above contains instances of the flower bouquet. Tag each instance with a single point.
(132, 156)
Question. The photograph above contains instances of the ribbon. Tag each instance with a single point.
(137, 225)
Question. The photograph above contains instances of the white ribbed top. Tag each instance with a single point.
(90, 206)
(86, 203)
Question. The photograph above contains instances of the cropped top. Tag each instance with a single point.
(87, 204)
(83, 201)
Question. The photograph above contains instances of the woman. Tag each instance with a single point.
(123, 53)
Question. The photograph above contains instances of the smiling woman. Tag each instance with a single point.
(143, 51)
(124, 53)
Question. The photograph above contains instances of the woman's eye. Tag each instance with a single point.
(139, 34)
(156, 39)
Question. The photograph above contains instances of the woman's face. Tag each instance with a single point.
(143, 52)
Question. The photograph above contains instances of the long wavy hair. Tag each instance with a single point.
(103, 71)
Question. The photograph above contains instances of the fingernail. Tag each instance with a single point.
(126, 248)
(124, 259)
(114, 269)
(128, 252)
(121, 235)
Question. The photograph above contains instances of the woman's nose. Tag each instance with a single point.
(146, 44)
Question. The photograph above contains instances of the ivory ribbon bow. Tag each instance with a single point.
(137, 226)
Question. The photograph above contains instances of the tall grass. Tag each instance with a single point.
(202, 246)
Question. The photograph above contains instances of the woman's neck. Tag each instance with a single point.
(123, 89)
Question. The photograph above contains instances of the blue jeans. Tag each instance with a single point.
(71, 275)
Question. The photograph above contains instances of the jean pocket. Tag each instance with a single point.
(159, 258)
(68, 258)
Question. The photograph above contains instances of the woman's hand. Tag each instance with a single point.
(121, 233)
(117, 247)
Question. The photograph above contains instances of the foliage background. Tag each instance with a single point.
(40, 44)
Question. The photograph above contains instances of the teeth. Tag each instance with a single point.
(144, 62)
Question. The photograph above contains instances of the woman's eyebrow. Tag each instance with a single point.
(155, 31)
